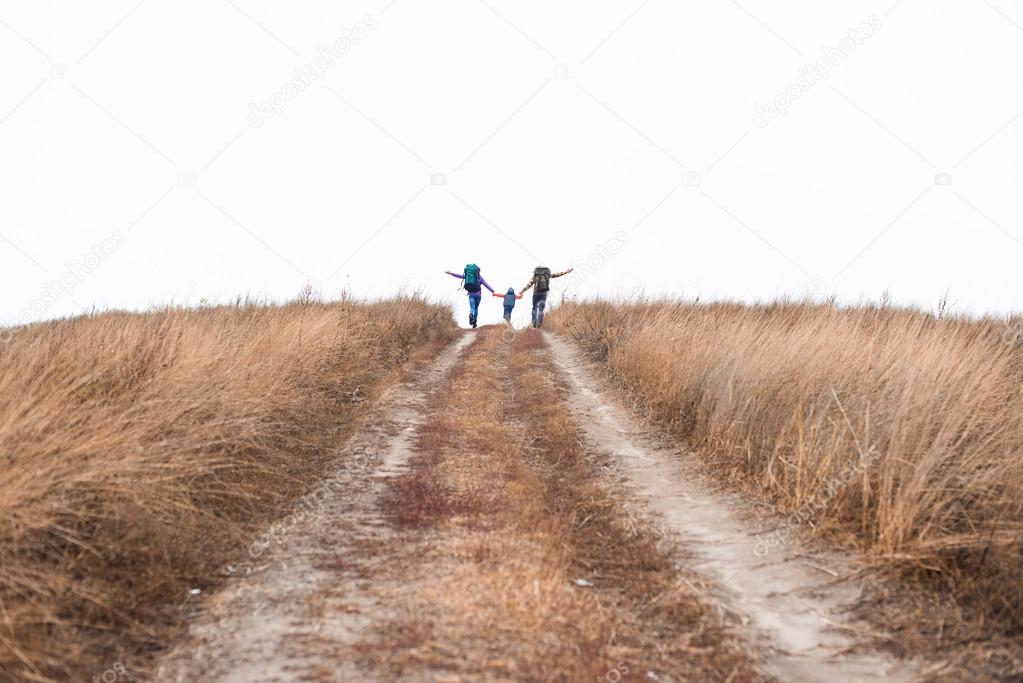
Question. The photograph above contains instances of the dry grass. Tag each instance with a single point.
(504, 510)
(140, 453)
(891, 429)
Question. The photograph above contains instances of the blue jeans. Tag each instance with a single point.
(507, 313)
(474, 304)
(539, 303)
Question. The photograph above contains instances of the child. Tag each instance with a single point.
(509, 302)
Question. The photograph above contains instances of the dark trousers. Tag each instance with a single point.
(539, 304)
(507, 313)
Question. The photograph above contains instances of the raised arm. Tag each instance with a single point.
(529, 285)
(484, 283)
(458, 275)
(564, 272)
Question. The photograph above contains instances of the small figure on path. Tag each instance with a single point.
(509, 302)
(541, 279)
(473, 283)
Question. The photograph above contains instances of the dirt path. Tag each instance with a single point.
(259, 628)
(486, 528)
(794, 607)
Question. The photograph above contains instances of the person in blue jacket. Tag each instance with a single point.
(474, 283)
(509, 302)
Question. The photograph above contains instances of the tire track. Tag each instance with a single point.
(259, 627)
(795, 612)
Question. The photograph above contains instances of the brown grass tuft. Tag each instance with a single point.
(140, 453)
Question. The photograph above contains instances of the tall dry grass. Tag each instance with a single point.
(893, 429)
(140, 451)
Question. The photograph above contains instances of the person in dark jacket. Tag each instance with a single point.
(541, 280)
(509, 302)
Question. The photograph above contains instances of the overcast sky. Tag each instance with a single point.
(158, 151)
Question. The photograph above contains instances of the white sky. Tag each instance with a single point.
(107, 106)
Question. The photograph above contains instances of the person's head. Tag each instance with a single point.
(511, 290)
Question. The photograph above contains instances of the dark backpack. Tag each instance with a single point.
(473, 279)
(542, 279)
